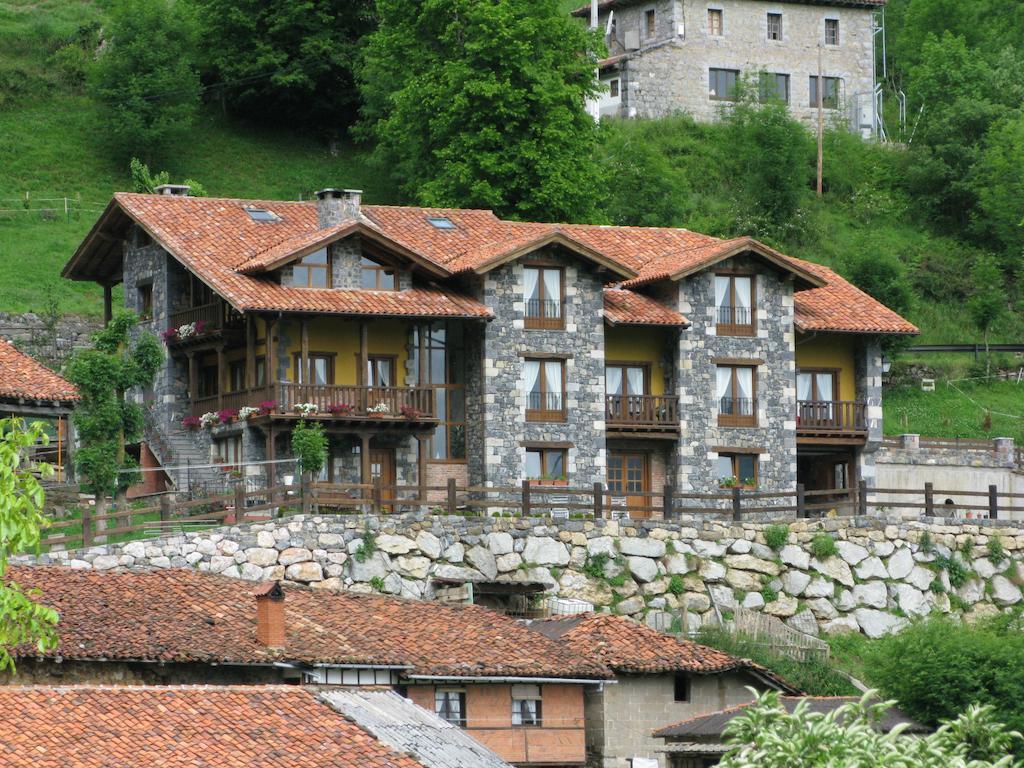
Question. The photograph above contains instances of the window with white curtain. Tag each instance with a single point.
(544, 384)
(526, 705)
(734, 304)
(815, 394)
(542, 292)
(450, 705)
(735, 390)
(625, 386)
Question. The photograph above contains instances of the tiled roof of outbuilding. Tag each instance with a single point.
(237, 726)
(622, 307)
(22, 377)
(182, 615)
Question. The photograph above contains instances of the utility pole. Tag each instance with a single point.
(821, 122)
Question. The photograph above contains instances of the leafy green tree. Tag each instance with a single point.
(309, 447)
(882, 275)
(766, 736)
(987, 304)
(119, 360)
(144, 77)
(22, 620)
(999, 187)
(290, 62)
(482, 105)
(144, 181)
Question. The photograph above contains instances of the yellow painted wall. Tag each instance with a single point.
(634, 344)
(386, 337)
(830, 350)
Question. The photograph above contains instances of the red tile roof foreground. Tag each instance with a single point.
(216, 239)
(22, 377)
(627, 646)
(182, 615)
(630, 308)
(182, 727)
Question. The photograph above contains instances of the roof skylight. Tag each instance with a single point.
(262, 214)
(441, 222)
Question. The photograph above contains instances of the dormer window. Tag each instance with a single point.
(734, 304)
(262, 214)
(376, 277)
(441, 222)
(313, 271)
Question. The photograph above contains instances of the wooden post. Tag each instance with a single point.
(667, 511)
(421, 444)
(526, 498)
(86, 525)
(306, 492)
(598, 501)
(929, 500)
(165, 508)
(993, 502)
(364, 460)
(737, 507)
(862, 498)
(239, 502)
(270, 363)
(193, 377)
(303, 376)
(377, 495)
(364, 354)
(250, 353)
(452, 502)
(801, 501)
(221, 376)
(108, 304)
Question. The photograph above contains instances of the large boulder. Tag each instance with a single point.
(872, 594)
(851, 553)
(412, 566)
(877, 624)
(395, 545)
(911, 600)
(901, 563)
(840, 625)
(377, 565)
(795, 556)
(722, 596)
(871, 568)
(601, 545)
(920, 577)
(631, 545)
(822, 608)
(508, 562)
(835, 568)
(483, 560)
(805, 622)
(577, 586)
(630, 605)
(428, 544)
(542, 550)
(1004, 591)
(712, 571)
(677, 563)
(782, 607)
(747, 581)
(294, 555)
(500, 543)
(696, 601)
(708, 548)
(753, 601)
(972, 591)
(643, 568)
(305, 572)
(261, 556)
(795, 582)
(820, 587)
(751, 563)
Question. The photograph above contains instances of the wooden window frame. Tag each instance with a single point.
(261, 365)
(370, 358)
(326, 267)
(717, 96)
(719, 14)
(650, 24)
(763, 94)
(613, 88)
(544, 450)
(379, 271)
(228, 465)
(623, 456)
(734, 455)
(623, 364)
(774, 17)
(461, 693)
(834, 372)
(233, 367)
(449, 386)
(297, 367)
(206, 376)
(543, 322)
(199, 293)
(733, 328)
(826, 103)
(733, 419)
(543, 414)
(144, 291)
(834, 23)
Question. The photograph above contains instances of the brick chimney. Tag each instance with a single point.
(270, 627)
(334, 206)
(176, 190)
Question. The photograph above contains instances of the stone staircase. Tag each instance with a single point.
(178, 451)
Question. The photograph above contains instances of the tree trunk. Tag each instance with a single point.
(99, 525)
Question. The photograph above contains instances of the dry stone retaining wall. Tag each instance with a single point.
(883, 572)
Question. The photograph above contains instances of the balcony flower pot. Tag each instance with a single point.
(553, 483)
(410, 413)
(379, 411)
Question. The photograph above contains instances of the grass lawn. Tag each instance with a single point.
(957, 410)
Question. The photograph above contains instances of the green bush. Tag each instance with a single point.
(594, 565)
(823, 546)
(776, 536)
(958, 572)
(769, 594)
(676, 585)
(309, 446)
(996, 553)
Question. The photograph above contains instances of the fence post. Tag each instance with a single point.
(526, 498)
(306, 491)
(993, 502)
(451, 496)
(929, 500)
(737, 509)
(86, 525)
(239, 502)
(377, 496)
(666, 502)
(862, 498)
(801, 501)
(165, 508)
(598, 501)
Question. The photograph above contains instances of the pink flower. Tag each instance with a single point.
(191, 422)
(268, 406)
(227, 415)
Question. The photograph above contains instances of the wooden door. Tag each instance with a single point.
(382, 467)
(629, 477)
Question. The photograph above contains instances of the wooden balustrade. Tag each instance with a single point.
(331, 401)
(210, 315)
(659, 412)
(831, 416)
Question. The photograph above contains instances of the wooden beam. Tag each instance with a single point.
(364, 353)
(250, 352)
(193, 377)
(364, 458)
(108, 304)
(221, 376)
(271, 362)
(422, 465)
(303, 372)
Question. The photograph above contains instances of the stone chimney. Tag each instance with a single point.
(270, 627)
(334, 206)
(176, 190)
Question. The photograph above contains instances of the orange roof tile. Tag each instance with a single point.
(182, 615)
(238, 726)
(21, 377)
(622, 307)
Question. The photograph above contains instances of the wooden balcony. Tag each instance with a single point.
(832, 419)
(210, 315)
(642, 413)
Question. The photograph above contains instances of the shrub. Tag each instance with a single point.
(925, 543)
(594, 565)
(676, 585)
(954, 568)
(996, 553)
(377, 583)
(776, 536)
(367, 546)
(309, 446)
(823, 546)
(769, 594)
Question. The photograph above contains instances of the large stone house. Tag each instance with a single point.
(512, 690)
(450, 344)
(658, 679)
(688, 56)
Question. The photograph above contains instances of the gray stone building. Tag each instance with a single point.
(449, 345)
(669, 56)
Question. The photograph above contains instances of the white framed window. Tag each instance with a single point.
(450, 705)
(526, 705)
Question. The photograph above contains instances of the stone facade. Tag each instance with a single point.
(669, 71)
(690, 572)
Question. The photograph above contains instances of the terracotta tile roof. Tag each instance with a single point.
(182, 727)
(622, 307)
(218, 240)
(625, 645)
(21, 377)
(183, 615)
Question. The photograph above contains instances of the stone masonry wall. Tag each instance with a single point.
(882, 572)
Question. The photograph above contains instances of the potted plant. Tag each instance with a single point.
(209, 419)
(552, 480)
(410, 413)
(307, 409)
(227, 415)
(378, 411)
(339, 409)
(191, 422)
(246, 412)
(267, 407)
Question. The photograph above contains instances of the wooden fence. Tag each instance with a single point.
(525, 500)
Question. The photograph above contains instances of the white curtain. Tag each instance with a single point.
(721, 291)
(803, 386)
(824, 381)
(553, 291)
(635, 380)
(553, 383)
(530, 276)
(743, 293)
(613, 381)
(723, 378)
(531, 374)
(745, 383)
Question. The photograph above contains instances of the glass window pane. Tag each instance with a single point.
(300, 276)
(441, 397)
(457, 401)
(437, 366)
(824, 382)
(387, 281)
(747, 467)
(613, 381)
(439, 443)
(555, 464)
(457, 441)
(532, 468)
(743, 287)
(317, 257)
(368, 279)
(721, 291)
(723, 467)
(803, 386)
(531, 284)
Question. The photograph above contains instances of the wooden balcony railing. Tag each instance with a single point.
(831, 417)
(210, 315)
(643, 412)
(331, 401)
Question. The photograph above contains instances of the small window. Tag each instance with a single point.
(545, 464)
(613, 89)
(376, 277)
(773, 86)
(737, 470)
(542, 291)
(236, 375)
(262, 214)
(526, 709)
(146, 301)
(649, 23)
(441, 222)
(830, 92)
(380, 371)
(681, 687)
(722, 84)
(229, 452)
(734, 305)
(774, 26)
(736, 390)
(450, 705)
(831, 31)
(313, 271)
(321, 369)
(208, 381)
(545, 387)
(261, 371)
(715, 22)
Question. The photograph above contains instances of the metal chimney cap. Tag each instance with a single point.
(180, 190)
(323, 194)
